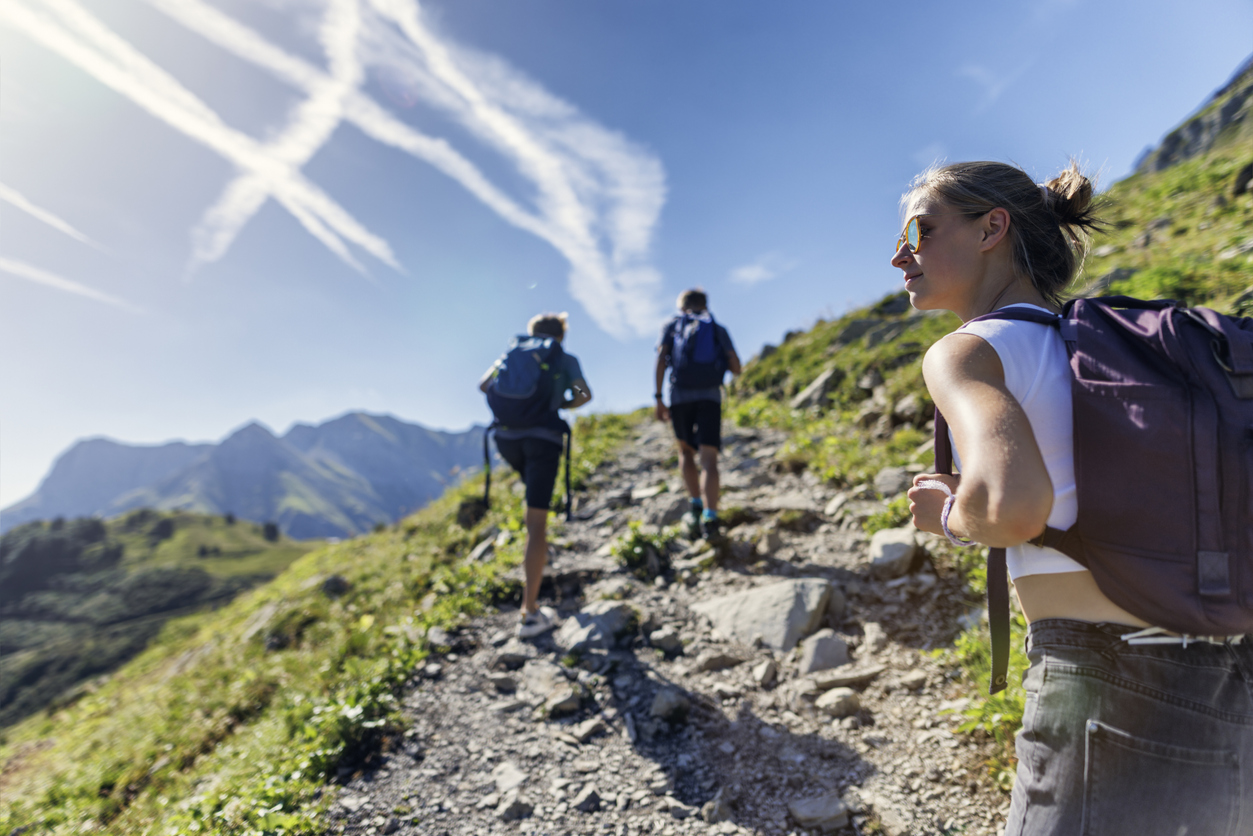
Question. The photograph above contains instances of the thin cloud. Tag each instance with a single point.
(268, 170)
(17, 200)
(596, 196)
(992, 83)
(43, 277)
(765, 268)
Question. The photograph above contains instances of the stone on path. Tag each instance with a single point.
(503, 682)
(826, 813)
(847, 677)
(670, 704)
(839, 702)
(792, 501)
(914, 680)
(566, 699)
(512, 808)
(766, 673)
(716, 809)
(484, 549)
(541, 676)
(781, 613)
(668, 510)
(588, 729)
(588, 800)
(822, 651)
(874, 639)
(507, 777)
(892, 552)
(667, 639)
(716, 660)
(599, 625)
(835, 504)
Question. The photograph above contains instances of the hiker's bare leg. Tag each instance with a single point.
(536, 556)
(689, 469)
(709, 480)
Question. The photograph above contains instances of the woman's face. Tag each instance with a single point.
(944, 273)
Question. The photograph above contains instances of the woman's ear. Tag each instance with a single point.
(995, 227)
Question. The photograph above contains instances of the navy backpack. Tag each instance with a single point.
(696, 359)
(520, 396)
(1163, 446)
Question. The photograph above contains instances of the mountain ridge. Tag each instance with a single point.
(334, 479)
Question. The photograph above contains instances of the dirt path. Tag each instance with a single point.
(675, 728)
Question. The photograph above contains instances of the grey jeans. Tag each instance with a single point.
(1121, 740)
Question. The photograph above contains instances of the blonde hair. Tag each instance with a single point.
(1050, 223)
(693, 300)
(548, 325)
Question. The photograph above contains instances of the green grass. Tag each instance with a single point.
(209, 731)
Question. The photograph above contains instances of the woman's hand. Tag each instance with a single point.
(926, 503)
(661, 412)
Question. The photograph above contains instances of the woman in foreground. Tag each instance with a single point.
(1116, 738)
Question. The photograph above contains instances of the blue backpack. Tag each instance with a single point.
(696, 359)
(521, 393)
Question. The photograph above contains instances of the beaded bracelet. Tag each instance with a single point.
(936, 485)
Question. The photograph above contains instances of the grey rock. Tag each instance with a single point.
(892, 552)
(432, 670)
(503, 682)
(873, 639)
(847, 677)
(885, 332)
(839, 702)
(892, 480)
(599, 625)
(854, 330)
(484, 549)
(588, 729)
(670, 705)
(565, 699)
(790, 501)
(837, 606)
(815, 394)
(391, 826)
(676, 808)
(781, 613)
(512, 808)
(514, 654)
(910, 410)
(668, 510)
(335, 586)
(716, 809)
(716, 660)
(769, 543)
(766, 673)
(587, 801)
(835, 504)
(913, 680)
(438, 637)
(822, 651)
(508, 776)
(667, 639)
(647, 492)
(826, 813)
(541, 677)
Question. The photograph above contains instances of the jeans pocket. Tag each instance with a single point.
(1140, 787)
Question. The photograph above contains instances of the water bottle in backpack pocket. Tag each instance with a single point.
(697, 360)
(520, 394)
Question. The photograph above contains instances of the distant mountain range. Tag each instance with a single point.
(337, 479)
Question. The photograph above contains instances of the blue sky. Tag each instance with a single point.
(213, 211)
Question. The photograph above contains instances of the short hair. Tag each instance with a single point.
(1050, 223)
(693, 300)
(548, 325)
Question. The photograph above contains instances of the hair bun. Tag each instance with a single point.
(1069, 195)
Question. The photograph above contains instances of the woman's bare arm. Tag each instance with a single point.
(1005, 494)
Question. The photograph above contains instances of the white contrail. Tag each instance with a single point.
(598, 197)
(82, 40)
(43, 277)
(17, 200)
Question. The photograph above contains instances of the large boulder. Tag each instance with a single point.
(781, 613)
(815, 394)
(598, 626)
(892, 552)
(893, 480)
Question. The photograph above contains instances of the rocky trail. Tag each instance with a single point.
(777, 685)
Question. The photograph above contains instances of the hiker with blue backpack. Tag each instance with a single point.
(526, 388)
(1105, 449)
(698, 351)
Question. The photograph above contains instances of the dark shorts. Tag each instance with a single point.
(698, 423)
(1123, 740)
(537, 462)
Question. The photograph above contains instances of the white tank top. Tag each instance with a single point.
(1037, 374)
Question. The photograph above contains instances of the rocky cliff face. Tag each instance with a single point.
(1226, 117)
(336, 479)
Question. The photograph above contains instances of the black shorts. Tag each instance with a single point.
(698, 423)
(536, 461)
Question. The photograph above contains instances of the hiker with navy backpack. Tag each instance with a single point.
(698, 352)
(1105, 449)
(526, 388)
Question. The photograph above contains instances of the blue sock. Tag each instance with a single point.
(708, 515)
(697, 505)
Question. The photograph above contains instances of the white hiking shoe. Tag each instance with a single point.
(537, 623)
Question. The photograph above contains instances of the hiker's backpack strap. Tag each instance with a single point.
(569, 493)
(998, 573)
(487, 467)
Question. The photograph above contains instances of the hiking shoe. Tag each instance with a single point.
(691, 523)
(537, 623)
(711, 529)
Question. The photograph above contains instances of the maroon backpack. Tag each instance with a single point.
(1163, 445)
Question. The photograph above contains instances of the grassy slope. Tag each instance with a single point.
(89, 623)
(210, 731)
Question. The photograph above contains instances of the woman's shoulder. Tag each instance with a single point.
(961, 354)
